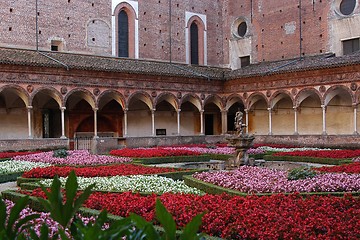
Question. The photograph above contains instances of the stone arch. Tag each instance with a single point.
(337, 90)
(305, 93)
(108, 95)
(257, 105)
(50, 91)
(191, 108)
(142, 96)
(254, 98)
(46, 102)
(168, 97)
(19, 91)
(14, 101)
(132, 30)
(233, 103)
(214, 99)
(193, 99)
(201, 29)
(82, 93)
(278, 96)
(308, 104)
(339, 101)
(233, 98)
(140, 113)
(213, 105)
(282, 114)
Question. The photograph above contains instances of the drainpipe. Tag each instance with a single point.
(300, 29)
(37, 39)
(170, 41)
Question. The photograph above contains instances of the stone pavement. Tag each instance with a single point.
(8, 186)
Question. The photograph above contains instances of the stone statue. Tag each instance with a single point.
(239, 126)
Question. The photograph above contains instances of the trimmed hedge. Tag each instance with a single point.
(10, 177)
(223, 157)
(214, 189)
(35, 204)
(173, 159)
(331, 161)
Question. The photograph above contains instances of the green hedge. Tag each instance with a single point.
(174, 159)
(331, 161)
(223, 157)
(214, 189)
(9, 177)
(35, 204)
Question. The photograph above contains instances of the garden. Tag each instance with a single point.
(74, 194)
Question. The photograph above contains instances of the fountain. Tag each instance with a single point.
(242, 141)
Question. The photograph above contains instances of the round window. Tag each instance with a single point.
(347, 6)
(242, 28)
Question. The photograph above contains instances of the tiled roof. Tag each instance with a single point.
(293, 65)
(110, 64)
(124, 65)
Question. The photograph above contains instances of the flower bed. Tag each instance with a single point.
(252, 217)
(45, 218)
(13, 154)
(76, 157)
(11, 166)
(97, 171)
(346, 168)
(262, 180)
(322, 153)
(151, 152)
(146, 184)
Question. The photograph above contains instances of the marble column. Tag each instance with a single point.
(62, 109)
(153, 122)
(270, 121)
(95, 123)
(323, 119)
(178, 121)
(29, 114)
(202, 122)
(125, 122)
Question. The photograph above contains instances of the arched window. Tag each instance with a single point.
(194, 43)
(123, 34)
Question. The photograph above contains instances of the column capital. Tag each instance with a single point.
(95, 109)
(62, 108)
(355, 105)
(295, 108)
(323, 106)
(224, 110)
(29, 107)
(125, 109)
(269, 109)
(246, 110)
(201, 111)
(178, 110)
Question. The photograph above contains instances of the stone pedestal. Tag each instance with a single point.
(241, 143)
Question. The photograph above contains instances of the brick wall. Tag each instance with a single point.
(273, 27)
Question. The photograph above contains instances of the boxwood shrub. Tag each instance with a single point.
(331, 161)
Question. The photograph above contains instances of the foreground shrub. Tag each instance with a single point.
(252, 217)
(63, 210)
(301, 173)
(60, 153)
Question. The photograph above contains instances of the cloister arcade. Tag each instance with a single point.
(46, 112)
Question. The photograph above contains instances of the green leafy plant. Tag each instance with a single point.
(60, 153)
(12, 224)
(63, 210)
(301, 173)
